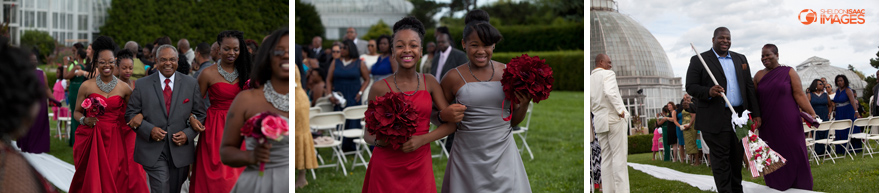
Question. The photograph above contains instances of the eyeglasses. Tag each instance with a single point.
(280, 52)
(101, 63)
(337, 51)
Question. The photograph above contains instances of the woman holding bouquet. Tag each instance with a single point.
(267, 163)
(222, 82)
(780, 94)
(97, 154)
(483, 139)
(407, 168)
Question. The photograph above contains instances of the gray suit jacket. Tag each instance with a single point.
(455, 59)
(147, 99)
(361, 46)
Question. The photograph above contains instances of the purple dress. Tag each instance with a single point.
(37, 138)
(783, 131)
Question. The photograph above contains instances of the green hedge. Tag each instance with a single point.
(568, 66)
(639, 143)
(522, 38)
(652, 124)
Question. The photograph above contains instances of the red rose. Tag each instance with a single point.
(753, 138)
(527, 75)
(392, 118)
(86, 103)
(185, 101)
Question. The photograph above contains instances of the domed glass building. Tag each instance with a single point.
(818, 68)
(338, 15)
(637, 58)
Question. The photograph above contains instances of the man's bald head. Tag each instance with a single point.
(183, 45)
(215, 50)
(603, 61)
(131, 46)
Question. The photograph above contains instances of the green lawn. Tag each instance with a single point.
(859, 175)
(556, 137)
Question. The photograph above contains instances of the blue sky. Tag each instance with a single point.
(676, 23)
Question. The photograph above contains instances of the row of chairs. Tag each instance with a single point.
(830, 141)
(322, 118)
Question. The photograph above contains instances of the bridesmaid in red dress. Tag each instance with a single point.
(221, 82)
(133, 178)
(409, 168)
(98, 157)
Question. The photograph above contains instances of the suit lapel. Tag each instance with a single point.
(157, 85)
(715, 66)
(177, 92)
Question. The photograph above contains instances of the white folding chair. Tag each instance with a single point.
(810, 142)
(523, 132)
(863, 136)
(873, 123)
(830, 142)
(332, 121)
(314, 111)
(356, 113)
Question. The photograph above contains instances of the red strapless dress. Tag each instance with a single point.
(392, 170)
(98, 151)
(208, 173)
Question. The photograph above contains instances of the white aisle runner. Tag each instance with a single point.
(703, 182)
(57, 172)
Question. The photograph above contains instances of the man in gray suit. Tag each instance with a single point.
(352, 34)
(169, 103)
(446, 57)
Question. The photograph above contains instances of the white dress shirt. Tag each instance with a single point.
(170, 84)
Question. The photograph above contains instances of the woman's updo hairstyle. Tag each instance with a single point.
(99, 45)
(477, 21)
(411, 23)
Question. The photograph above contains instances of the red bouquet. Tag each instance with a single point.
(527, 75)
(93, 106)
(265, 125)
(392, 118)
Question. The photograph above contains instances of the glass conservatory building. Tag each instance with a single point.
(818, 68)
(638, 60)
(338, 15)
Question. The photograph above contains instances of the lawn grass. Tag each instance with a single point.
(555, 136)
(859, 175)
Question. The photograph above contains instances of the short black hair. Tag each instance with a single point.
(19, 88)
(352, 49)
(772, 48)
(204, 48)
(243, 62)
(100, 44)
(182, 65)
(81, 54)
(163, 40)
(719, 30)
(845, 80)
(263, 63)
(410, 23)
(477, 21)
(124, 54)
(379, 39)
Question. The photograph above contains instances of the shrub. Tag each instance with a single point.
(523, 38)
(639, 143)
(652, 124)
(39, 39)
(568, 66)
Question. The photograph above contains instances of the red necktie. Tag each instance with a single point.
(167, 94)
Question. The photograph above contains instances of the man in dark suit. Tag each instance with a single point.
(874, 104)
(732, 72)
(446, 58)
(171, 108)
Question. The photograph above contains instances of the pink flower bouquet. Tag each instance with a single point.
(265, 125)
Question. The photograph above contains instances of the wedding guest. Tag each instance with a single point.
(17, 174)
(819, 100)
(690, 132)
(669, 133)
(383, 67)
(138, 68)
(844, 98)
(360, 45)
(349, 76)
(222, 82)
(203, 59)
(75, 75)
(732, 74)
(596, 158)
(779, 94)
(424, 65)
(37, 138)
(446, 58)
(372, 55)
(305, 158)
(133, 178)
(477, 85)
(270, 81)
(409, 167)
(98, 163)
(610, 124)
(184, 48)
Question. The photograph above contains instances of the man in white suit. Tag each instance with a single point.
(610, 124)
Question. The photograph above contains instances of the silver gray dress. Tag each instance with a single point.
(276, 174)
(484, 156)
